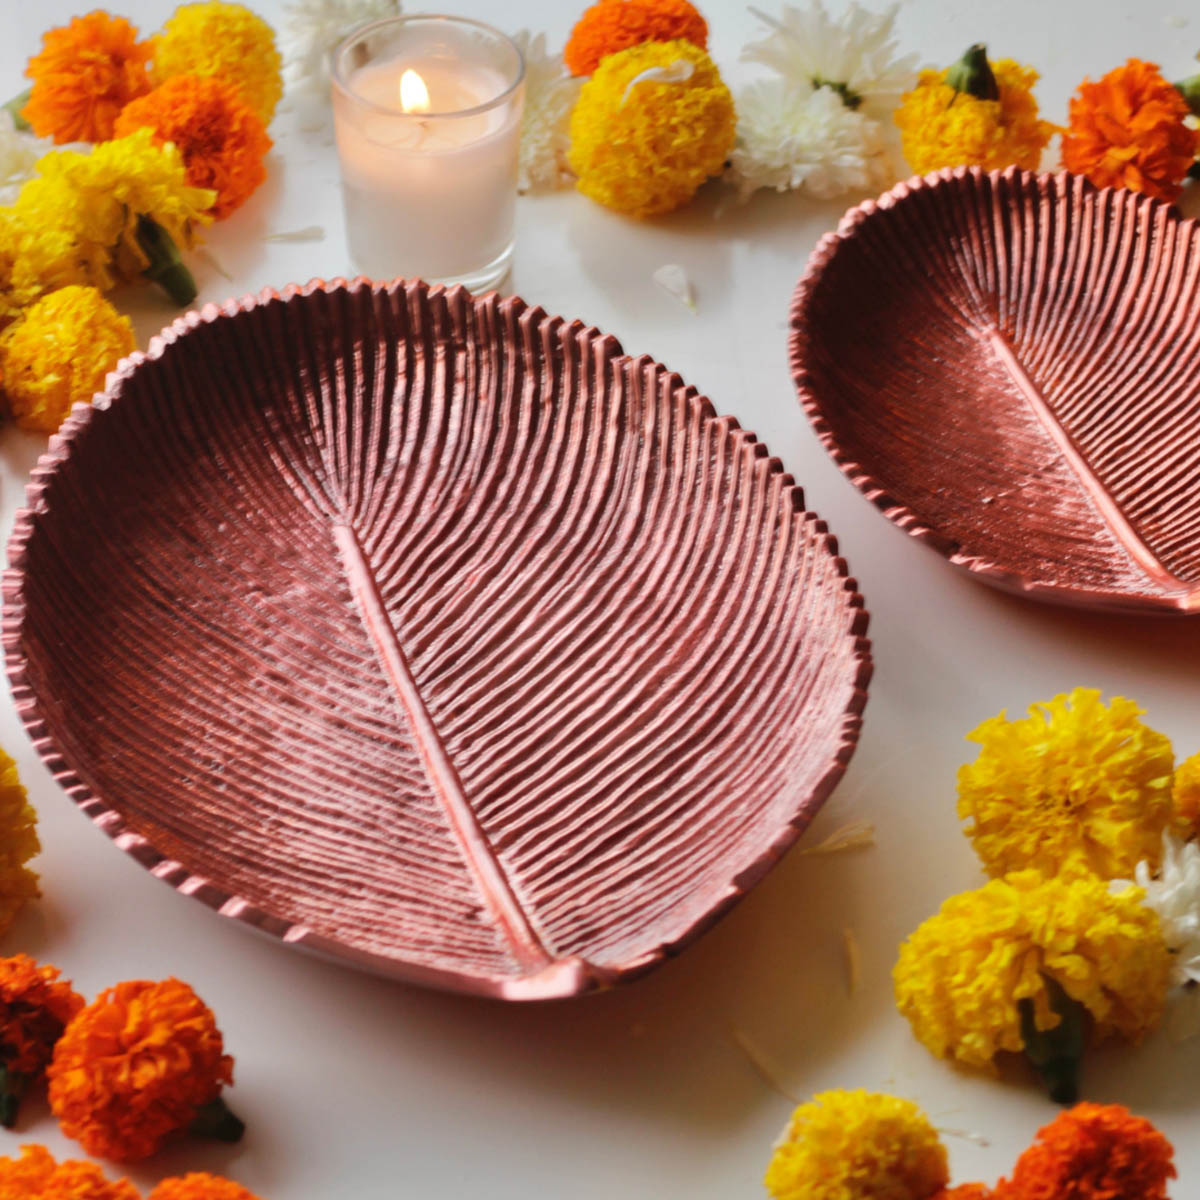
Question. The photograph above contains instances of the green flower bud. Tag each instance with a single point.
(1190, 90)
(973, 74)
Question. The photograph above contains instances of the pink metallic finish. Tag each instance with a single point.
(432, 633)
(1006, 365)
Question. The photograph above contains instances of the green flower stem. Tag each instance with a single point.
(14, 106)
(1056, 1053)
(12, 1088)
(215, 1120)
(166, 268)
(972, 74)
(1190, 89)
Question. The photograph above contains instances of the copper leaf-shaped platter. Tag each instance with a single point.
(1007, 365)
(434, 633)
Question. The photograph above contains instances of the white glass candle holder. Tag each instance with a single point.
(427, 111)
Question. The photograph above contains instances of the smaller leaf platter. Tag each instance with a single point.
(1006, 364)
(433, 633)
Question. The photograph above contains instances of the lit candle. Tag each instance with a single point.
(428, 118)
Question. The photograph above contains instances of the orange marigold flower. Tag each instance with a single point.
(36, 1176)
(35, 1006)
(1128, 130)
(614, 25)
(86, 73)
(965, 1191)
(1093, 1152)
(222, 139)
(199, 1186)
(140, 1062)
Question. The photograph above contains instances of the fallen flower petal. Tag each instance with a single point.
(673, 280)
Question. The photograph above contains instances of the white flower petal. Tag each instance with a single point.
(680, 71)
(807, 46)
(206, 255)
(967, 1135)
(673, 280)
(550, 95)
(310, 233)
(770, 1073)
(853, 836)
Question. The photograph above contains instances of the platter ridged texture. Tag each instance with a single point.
(1006, 364)
(433, 633)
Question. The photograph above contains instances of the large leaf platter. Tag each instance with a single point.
(434, 633)
(1007, 365)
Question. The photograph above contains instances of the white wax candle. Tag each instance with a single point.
(427, 194)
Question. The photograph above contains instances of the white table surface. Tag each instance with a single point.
(353, 1086)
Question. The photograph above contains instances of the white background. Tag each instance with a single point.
(353, 1086)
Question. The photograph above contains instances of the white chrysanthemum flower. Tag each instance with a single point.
(19, 153)
(312, 30)
(790, 136)
(855, 54)
(1175, 895)
(550, 95)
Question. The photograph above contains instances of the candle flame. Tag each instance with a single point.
(414, 95)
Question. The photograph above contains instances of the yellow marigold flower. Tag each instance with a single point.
(940, 127)
(35, 1006)
(650, 126)
(1073, 786)
(142, 1061)
(857, 1146)
(36, 258)
(36, 1176)
(1185, 790)
(58, 355)
(961, 975)
(226, 40)
(42, 258)
(199, 1186)
(91, 203)
(18, 844)
(10, 233)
